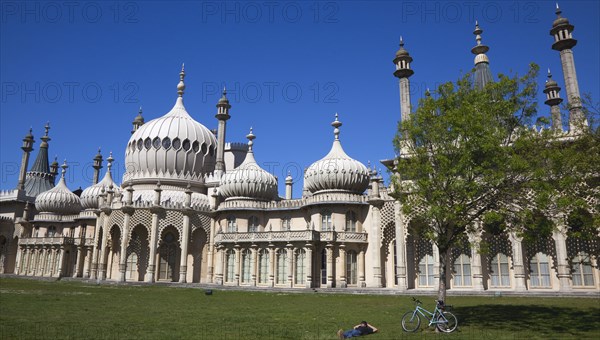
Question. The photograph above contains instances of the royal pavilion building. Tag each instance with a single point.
(194, 208)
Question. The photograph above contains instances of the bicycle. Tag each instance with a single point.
(444, 321)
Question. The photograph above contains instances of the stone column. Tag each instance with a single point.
(309, 267)
(330, 259)
(124, 242)
(87, 263)
(211, 251)
(61, 260)
(291, 273)
(18, 260)
(78, 261)
(436, 265)
(253, 264)
(97, 243)
(375, 242)
(563, 270)
(401, 275)
(104, 250)
(185, 240)
(342, 252)
(518, 266)
(219, 267)
(271, 265)
(361, 269)
(152, 253)
(237, 267)
(476, 267)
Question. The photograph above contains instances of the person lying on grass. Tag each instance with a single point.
(363, 328)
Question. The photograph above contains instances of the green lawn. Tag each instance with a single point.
(58, 310)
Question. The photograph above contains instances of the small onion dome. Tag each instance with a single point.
(59, 200)
(559, 19)
(550, 82)
(401, 51)
(249, 180)
(173, 147)
(90, 196)
(337, 171)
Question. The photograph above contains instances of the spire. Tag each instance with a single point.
(181, 85)
(402, 62)
(483, 74)
(40, 178)
(553, 100)
(97, 166)
(336, 124)
(27, 148)
(64, 167)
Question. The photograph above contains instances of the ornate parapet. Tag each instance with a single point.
(319, 198)
(290, 236)
(47, 241)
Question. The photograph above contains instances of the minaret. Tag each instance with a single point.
(564, 42)
(97, 166)
(222, 115)
(54, 169)
(553, 100)
(27, 148)
(483, 74)
(138, 121)
(40, 178)
(289, 181)
(403, 72)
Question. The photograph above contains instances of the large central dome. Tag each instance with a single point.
(172, 148)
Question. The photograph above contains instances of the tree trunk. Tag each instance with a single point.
(444, 256)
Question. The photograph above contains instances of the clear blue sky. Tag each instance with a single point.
(289, 66)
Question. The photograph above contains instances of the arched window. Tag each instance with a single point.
(263, 269)
(462, 271)
(168, 257)
(51, 231)
(131, 272)
(351, 268)
(230, 258)
(246, 264)
(539, 267)
(426, 271)
(231, 224)
(582, 270)
(300, 264)
(499, 271)
(282, 266)
(253, 224)
(326, 224)
(286, 224)
(351, 221)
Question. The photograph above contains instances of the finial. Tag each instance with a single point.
(47, 127)
(336, 124)
(181, 85)
(401, 42)
(549, 74)
(250, 137)
(110, 159)
(224, 91)
(427, 93)
(140, 111)
(64, 167)
(558, 11)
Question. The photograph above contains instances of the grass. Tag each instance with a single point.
(32, 309)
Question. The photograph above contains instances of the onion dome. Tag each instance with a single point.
(171, 148)
(401, 51)
(559, 19)
(550, 82)
(91, 195)
(336, 171)
(59, 200)
(249, 180)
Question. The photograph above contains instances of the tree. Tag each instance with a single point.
(470, 156)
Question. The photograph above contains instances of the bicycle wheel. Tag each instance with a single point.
(447, 323)
(411, 321)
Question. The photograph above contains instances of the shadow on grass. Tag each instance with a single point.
(516, 318)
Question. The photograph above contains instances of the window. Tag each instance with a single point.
(230, 258)
(499, 271)
(166, 143)
(51, 231)
(132, 267)
(176, 143)
(246, 265)
(539, 266)
(147, 143)
(351, 221)
(156, 143)
(282, 266)
(426, 271)
(168, 257)
(462, 271)
(186, 144)
(300, 263)
(286, 224)
(253, 224)
(231, 225)
(263, 271)
(36, 232)
(582, 270)
(326, 221)
(351, 268)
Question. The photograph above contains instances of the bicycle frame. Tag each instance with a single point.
(433, 315)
